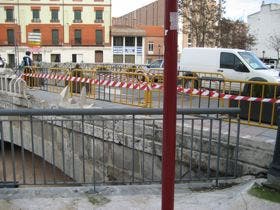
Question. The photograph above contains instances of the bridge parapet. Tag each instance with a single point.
(119, 146)
(12, 84)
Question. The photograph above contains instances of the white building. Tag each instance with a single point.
(263, 25)
(128, 44)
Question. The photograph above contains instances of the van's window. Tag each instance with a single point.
(231, 61)
(253, 60)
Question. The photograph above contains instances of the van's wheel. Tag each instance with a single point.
(189, 83)
(257, 89)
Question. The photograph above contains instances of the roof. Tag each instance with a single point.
(153, 31)
(120, 30)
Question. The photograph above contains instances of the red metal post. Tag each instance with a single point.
(170, 104)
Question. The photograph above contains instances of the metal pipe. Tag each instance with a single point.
(111, 111)
(170, 104)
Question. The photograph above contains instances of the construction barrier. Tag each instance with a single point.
(258, 100)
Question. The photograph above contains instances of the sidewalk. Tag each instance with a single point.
(132, 197)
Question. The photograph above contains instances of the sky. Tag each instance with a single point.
(235, 9)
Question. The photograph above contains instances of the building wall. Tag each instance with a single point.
(151, 14)
(262, 25)
(135, 52)
(66, 26)
(158, 51)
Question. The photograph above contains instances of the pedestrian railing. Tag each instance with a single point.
(114, 146)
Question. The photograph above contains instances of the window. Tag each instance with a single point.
(36, 15)
(98, 37)
(77, 58)
(129, 59)
(37, 57)
(98, 16)
(55, 37)
(253, 61)
(55, 58)
(118, 41)
(11, 36)
(77, 16)
(9, 15)
(157, 64)
(129, 41)
(36, 30)
(11, 60)
(78, 37)
(189, 40)
(74, 58)
(139, 41)
(118, 58)
(151, 47)
(231, 61)
(54, 16)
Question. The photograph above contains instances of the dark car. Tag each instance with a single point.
(156, 64)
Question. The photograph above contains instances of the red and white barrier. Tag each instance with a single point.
(107, 81)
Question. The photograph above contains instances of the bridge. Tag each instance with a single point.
(97, 141)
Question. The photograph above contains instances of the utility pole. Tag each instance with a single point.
(170, 104)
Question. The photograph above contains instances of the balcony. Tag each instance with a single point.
(99, 21)
(10, 20)
(11, 43)
(54, 21)
(77, 21)
(36, 20)
(99, 43)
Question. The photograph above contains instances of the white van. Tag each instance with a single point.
(234, 64)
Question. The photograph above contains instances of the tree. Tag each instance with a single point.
(235, 34)
(201, 20)
(274, 43)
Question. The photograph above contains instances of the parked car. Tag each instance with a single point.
(159, 63)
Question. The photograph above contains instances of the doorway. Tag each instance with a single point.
(98, 56)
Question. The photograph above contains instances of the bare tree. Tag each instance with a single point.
(274, 43)
(201, 20)
(235, 34)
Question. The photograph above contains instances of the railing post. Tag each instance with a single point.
(148, 99)
(273, 176)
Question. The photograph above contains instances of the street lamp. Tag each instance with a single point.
(159, 46)
(263, 52)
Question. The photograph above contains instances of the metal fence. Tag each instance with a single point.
(109, 146)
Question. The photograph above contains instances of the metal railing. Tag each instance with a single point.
(109, 146)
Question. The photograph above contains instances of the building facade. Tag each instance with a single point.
(154, 42)
(150, 19)
(68, 30)
(263, 25)
(128, 44)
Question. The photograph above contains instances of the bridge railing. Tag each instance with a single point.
(109, 146)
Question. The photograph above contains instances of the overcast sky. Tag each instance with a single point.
(235, 9)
